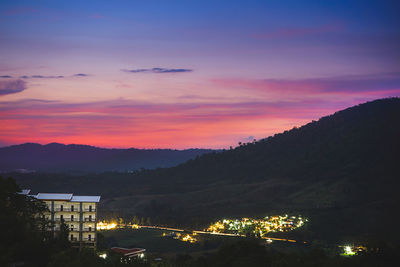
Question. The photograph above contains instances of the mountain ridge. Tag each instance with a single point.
(56, 157)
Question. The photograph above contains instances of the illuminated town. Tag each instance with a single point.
(233, 227)
(257, 227)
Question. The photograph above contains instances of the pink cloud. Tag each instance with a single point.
(191, 120)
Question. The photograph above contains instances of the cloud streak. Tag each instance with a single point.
(44, 76)
(12, 87)
(41, 77)
(350, 84)
(157, 70)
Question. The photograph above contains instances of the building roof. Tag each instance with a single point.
(65, 197)
(53, 196)
(25, 192)
(85, 199)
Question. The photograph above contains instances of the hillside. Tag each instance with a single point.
(56, 157)
(341, 171)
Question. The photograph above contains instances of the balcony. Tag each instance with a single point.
(67, 220)
(89, 210)
(88, 229)
(67, 209)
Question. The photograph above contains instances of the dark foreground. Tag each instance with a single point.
(24, 241)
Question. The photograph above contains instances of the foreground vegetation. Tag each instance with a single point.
(25, 241)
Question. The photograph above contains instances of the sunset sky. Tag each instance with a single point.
(183, 74)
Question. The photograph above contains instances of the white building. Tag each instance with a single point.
(78, 212)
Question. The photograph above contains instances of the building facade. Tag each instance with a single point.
(79, 213)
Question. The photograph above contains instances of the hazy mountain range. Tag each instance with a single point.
(56, 157)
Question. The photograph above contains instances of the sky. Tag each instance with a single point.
(188, 74)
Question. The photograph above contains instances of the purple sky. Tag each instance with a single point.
(180, 74)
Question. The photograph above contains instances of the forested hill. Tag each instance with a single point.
(56, 157)
(354, 142)
(342, 171)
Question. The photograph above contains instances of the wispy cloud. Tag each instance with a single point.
(350, 84)
(41, 77)
(12, 87)
(157, 70)
(44, 76)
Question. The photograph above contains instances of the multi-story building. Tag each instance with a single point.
(79, 214)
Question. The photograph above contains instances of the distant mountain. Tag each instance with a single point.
(341, 171)
(56, 157)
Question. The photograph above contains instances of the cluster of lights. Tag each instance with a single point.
(182, 237)
(188, 238)
(260, 227)
(352, 250)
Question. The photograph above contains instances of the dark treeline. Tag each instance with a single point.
(252, 253)
(340, 171)
(24, 235)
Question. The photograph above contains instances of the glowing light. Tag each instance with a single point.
(104, 255)
(188, 238)
(348, 251)
(106, 226)
(182, 237)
